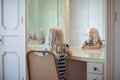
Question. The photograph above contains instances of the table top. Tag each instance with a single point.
(79, 53)
(89, 54)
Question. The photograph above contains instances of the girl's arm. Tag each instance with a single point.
(69, 52)
(97, 46)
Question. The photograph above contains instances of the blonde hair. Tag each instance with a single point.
(55, 40)
(96, 35)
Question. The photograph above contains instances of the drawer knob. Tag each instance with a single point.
(94, 79)
(95, 68)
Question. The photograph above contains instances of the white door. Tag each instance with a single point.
(12, 39)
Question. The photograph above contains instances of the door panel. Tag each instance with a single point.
(10, 9)
(12, 40)
(10, 59)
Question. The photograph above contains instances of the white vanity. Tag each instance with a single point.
(86, 64)
(95, 70)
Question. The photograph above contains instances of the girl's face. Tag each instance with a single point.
(91, 34)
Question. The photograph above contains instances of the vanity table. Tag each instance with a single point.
(85, 64)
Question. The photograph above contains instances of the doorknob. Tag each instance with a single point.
(0, 40)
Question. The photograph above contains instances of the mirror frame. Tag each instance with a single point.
(109, 59)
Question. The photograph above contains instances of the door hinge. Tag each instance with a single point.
(22, 20)
(1, 40)
(115, 16)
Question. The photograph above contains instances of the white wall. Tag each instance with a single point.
(117, 40)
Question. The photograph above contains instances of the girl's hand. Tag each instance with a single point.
(69, 52)
(84, 45)
(97, 46)
(88, 47)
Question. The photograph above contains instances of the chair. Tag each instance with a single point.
(42, 67)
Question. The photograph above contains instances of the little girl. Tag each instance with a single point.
(56, 44)
(94, 41)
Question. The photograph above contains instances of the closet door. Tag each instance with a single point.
(12, 40)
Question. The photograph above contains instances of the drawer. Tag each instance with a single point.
(94, 77)
(96, 68)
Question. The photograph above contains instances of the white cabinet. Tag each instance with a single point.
(94, 77)
(95, 71)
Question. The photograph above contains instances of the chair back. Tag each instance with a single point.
(42, 67)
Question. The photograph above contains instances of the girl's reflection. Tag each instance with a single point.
(94, 41)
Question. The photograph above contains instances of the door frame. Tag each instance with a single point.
(110, 38)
